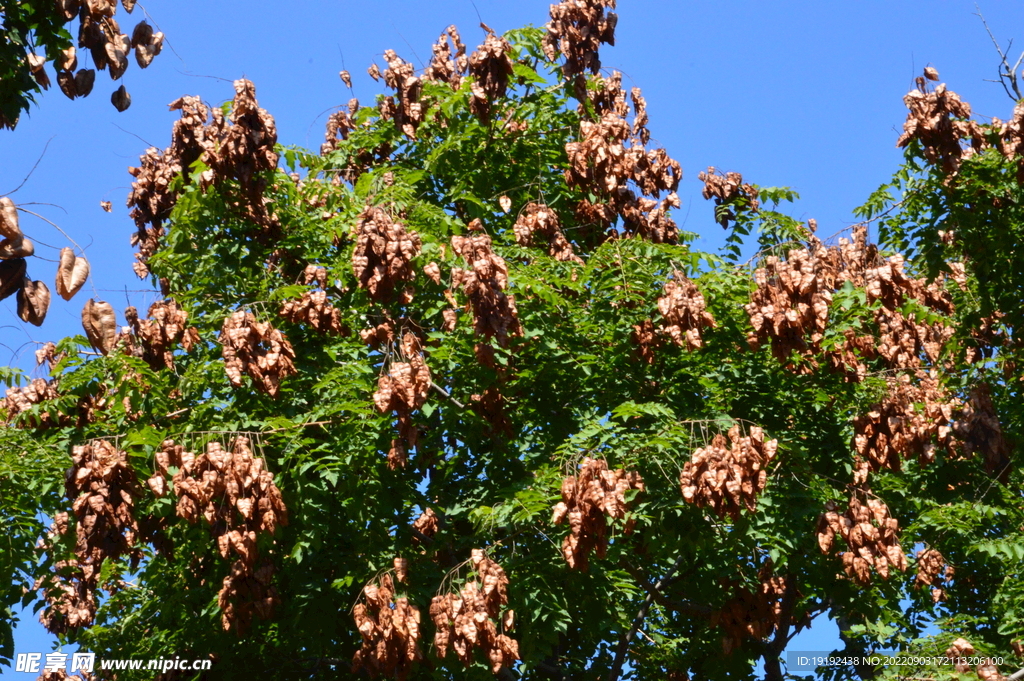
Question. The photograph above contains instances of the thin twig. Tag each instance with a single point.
(447, 394)
(54, 225)
(34, 166)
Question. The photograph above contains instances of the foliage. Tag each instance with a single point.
(481, 368)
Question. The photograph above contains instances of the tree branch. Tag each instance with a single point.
(620, 654)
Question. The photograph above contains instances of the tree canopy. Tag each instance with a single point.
(454, 396)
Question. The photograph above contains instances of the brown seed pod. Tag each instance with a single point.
(9, 219)
(84, 80)
(128, 5)
(12, 276)
(66, 83)
(16, 248)
(142, 34)
(33, 301)
(37, 65)
(72, 273)
(346, 78)
(68, 60)
(121, 99)
(100, 325)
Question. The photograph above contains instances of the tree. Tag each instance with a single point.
(455, 397)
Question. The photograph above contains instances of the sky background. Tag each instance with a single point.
(800, 94)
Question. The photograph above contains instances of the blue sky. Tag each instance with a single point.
(802, 94)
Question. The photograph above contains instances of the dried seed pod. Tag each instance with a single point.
(37, 65)
(21, 247)
(142, 34)
(9, 219)
(67, 85)
(72, 273)
(68, 60)
(100, 325)
(84, 80)
(33, 301)
(128, 5)
(121, 99)
(12, 276)
(346, 78)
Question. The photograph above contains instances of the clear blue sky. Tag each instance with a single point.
(803, 94)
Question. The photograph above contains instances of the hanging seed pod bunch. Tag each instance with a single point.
(390, 630)
(870, 534)
(403, 390)
(470, 619)
(153, 339)
(896, 429)
(730, 193)
(484, 283)
(490, 67)
(576, 30)
(932, 571)
(256, 349)
(382, 259)
(445, 65)
(238, 148)
(978, 430)
(726, 476)
(33, 296)
(70, 597)
(427, 525)
(21, 399)
(751, 614)
(312, 307)
(103, 487)
(237, 496)
(407, 111)
(961, 653)
(939, 120)
(683, 312)
(588, 500)
(539, 221)
(610, 157)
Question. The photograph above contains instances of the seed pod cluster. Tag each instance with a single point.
(407, 111)
(790, 307)
(896, 429)
(939, 119)
(21, 399)
(33, 296)
(445, 65)
(683, 311)
(978, 430)
(933, 571)
(537, 220)
(727, 476)
(961, 651)
(1011, 138)
(645, 340)
(237, 148)
(403, 390)
(257, 349)
(730, 193)
(426, 524)
(751, 614)
(870, 534)
(390, 630)
(469, 619)
(610, 159)
(382, 259)
(577, 29)
(153, 339)
(103, 487)
(588, 499)
(490, 67)
(312, 308)
(236, 494)
(339, 125)
(484, 283)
